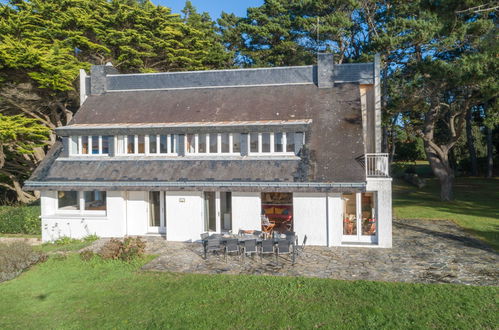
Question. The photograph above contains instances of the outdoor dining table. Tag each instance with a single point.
(224, 238)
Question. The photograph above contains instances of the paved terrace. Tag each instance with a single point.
(423, 252)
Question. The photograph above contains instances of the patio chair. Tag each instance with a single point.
(204, 236)
(267, 247)
(283, 247)
(257, 233)
(299, 249)
(231, 246)
(249, 247)
(290, 237)
(212, 245)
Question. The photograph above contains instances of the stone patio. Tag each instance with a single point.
(423, 252)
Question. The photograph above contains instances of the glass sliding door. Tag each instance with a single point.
(360, 217)
(156, 219)
(226, 210)
(210, 211)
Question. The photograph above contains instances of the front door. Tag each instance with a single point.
(217, 211)
(156, 221)
(360, 217)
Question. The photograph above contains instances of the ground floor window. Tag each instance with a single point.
(217, 211)
(359, 214)
(277, 212)
(154, 209)
(79, 201)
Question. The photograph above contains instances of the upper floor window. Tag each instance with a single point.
(90, 145)
(147, 144)
(213, 143)
(271, 143)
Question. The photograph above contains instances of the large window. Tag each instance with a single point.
(271, 143)
(82, 201)
(213, 143)
(359, 216)
(147, 144)
(90, 145)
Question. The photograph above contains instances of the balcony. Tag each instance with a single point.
(376, 165)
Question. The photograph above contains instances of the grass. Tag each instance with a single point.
(70, 293)
(475, 208)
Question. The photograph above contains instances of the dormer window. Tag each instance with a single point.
(212, 143)
(271, 143)
(90, 145)
(147, 144)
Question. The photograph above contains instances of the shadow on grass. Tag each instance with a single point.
(466, 241)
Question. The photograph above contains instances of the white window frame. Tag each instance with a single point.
(207, 152)
(81, 205)
(272, 146)
(76, 141)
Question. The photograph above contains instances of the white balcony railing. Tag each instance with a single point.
(377, 165)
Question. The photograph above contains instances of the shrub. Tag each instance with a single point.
(20, 219)
(90, 238)
(16, 257)
(65, 241)
(87, 255)
(126, 250)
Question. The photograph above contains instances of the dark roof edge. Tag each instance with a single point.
(187, 184)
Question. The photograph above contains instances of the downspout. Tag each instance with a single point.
(126, 213)
(327, 219)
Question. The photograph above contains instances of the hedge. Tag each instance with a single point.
(20, 219)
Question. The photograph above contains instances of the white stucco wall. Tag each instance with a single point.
(246, 211)
(137, 211)
(383, 187)
(309, 216)
(184, 215)
(335, 216)
(76, 224)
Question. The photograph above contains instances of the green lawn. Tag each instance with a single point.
(475, 208)
(70, 293)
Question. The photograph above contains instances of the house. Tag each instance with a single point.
(182, 153)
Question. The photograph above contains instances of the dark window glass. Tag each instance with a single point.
(130, 149)
(95, 200)
(68, 200)
(105, 144)
(225, 142)
(84, 145)
(142, 144)
(236, 142)
(278, 139)
(153, 146)
(202, 143)
(265, 142)
(253, 142)
(95, 145)
(163, 144)
(213, 143)
(290, 142)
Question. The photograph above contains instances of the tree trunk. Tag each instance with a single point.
(471, 143)
(490, 153)
(439, 162)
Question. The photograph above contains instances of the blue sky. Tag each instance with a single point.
(213, 7)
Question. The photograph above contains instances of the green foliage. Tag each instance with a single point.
(20, 219)
(113, 294)
(16, 257)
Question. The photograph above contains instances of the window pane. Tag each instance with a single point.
(121, 145)
(368, 214)
(225, 142)
(202, 143)
(173, 143)
(350, 214)
(95, 200)
(130, 149)
(84, 145)
(190, 143)
(253, 142)
(265, 142)
(105, 144)
(153, 146)
(163, 144)
(290, 142)
(68, 200)
(278, 139)
(95, 145)
(154, 209)
(142, 144)
(213, 143)
(236, 142)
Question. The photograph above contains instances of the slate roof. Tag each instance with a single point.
(334, 138)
